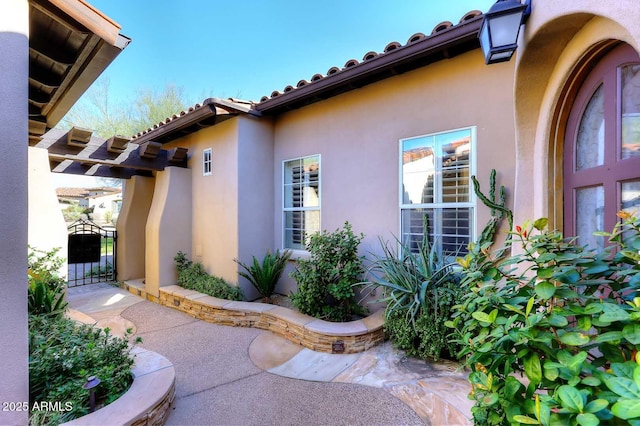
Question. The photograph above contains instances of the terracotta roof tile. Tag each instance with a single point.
(441, 27)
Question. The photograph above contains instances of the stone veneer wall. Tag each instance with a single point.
(317, 335)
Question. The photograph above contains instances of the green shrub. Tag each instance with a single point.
(552, 334)
(326, 279)
(62, 354)
(45, 292)
(192, 276)
(419, 290)
(99, 270)
(264, 276)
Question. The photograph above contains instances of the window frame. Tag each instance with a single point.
(299, 251)
(437, 191)
(614, 170)
(207, 164)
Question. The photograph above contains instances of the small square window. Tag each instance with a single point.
(206, 162)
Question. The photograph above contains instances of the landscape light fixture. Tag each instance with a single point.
(500, 28)
(90, 384)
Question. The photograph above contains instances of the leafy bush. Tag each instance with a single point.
(74, 212)
(46, 292)
(99, 270)
(419, 290)
(326, 279)
(264, 276)
(62, 354)
(552, 334)
(192, 276)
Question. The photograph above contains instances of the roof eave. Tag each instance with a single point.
(397, 61)
(211, 112)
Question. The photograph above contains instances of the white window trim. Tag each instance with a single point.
(299, 253)
(472, 203)
(206, 172)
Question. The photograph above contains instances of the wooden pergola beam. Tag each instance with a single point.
(114, 157)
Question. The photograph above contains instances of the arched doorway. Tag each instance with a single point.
(601, 173)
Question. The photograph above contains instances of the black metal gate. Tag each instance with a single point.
(92, 253)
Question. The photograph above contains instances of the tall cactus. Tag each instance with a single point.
(498, 210)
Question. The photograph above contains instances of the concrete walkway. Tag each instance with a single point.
(232, 375)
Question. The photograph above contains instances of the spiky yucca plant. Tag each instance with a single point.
(265, 275)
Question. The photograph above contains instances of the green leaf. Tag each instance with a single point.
(558, 321)
(532, 368)
(544, 273)
(482, 317)
(550, 373)
(529, 307)
(622, 386)
(631, 332)
(591, 381)
(541, 223)
(626, 408)
(584, 323)
(545, 290)
(596, 405)
(609, 336)
(574, 338)
(525, 420)
(570, 398)
(587, 419)
(613, 313)
(490, 399)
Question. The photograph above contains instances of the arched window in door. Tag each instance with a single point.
(602, 147)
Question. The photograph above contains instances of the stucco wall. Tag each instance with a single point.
(168, 227)
(557, 37)
(131, 226)
(357, 135)
(255, 193)
(14, 90)
(47, 228)
(215, 198)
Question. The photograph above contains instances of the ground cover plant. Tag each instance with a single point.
(192, 276)
(326, 279)
(265, 275)
(551, 334)
(63, 353)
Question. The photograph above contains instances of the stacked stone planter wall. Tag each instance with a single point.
(318, 335)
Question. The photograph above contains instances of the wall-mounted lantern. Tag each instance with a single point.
(500, 28)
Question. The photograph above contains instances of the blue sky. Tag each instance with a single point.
(248, 49)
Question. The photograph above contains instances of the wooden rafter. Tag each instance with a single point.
(114, 157)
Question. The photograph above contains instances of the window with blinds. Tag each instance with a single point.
(301, 200)
(436, 191)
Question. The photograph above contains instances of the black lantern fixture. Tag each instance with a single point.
(500, 28)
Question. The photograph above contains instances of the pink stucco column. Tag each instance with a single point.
(14, 73)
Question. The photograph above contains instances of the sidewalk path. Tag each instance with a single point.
(216, 381)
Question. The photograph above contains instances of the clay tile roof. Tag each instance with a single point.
(207, 113)
(446, 40)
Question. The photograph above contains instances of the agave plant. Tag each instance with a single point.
(409, 280)
(265, 275)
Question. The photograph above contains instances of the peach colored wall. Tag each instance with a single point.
(168, 228)
(47, 228)
(556, 37)
(215, 198)
(357, 135)
(255, 192)
(131, 225)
